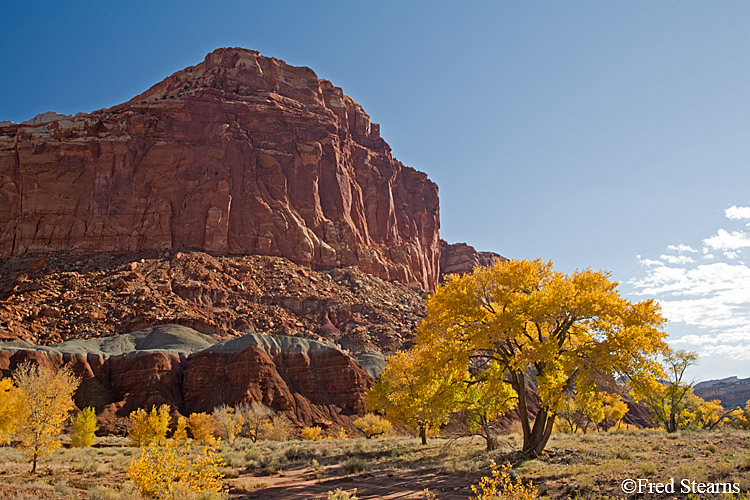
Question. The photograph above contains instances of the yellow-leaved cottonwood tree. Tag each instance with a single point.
(10, 410)
(46, 403)
(520, 318)
(413, 395)
(84, 428)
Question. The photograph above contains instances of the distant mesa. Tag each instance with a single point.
(732, 391)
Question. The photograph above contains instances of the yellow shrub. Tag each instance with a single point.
(312, 433)
(165, 466)
(341, 434)
(278, 429)
(202, 427)
(372, 425)
(84, 427)
(147, 427)
(499, 484)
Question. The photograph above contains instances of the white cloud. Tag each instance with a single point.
(676, 259)
(705, 294)
(737, 213)
(681, 248)
(650, 262)
(724, 240)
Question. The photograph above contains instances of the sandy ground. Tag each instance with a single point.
(386, 484)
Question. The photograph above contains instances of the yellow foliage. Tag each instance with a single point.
(740, 418)
(498, 485)
(165, 466)
(228, 422)
(84, 427)
(571, 329)
(180, 432)
(11, 410)
(314, 433)
(202, 427)
(278, 429)
(341, 434)
(412, 394)
(339, 494)
(147, 427)
(372, 425)
(46, 402)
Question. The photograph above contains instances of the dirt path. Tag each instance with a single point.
(386, 484)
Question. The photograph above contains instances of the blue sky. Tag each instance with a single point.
(590, 133)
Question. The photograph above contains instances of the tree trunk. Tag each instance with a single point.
(491, 443)
(423, 434)
(672, 424)
(537, 439)
(518, 382)
(488, 437)
(33, 464)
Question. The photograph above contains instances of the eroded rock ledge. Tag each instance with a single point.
(310, 382)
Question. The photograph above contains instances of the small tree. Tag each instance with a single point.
(180, 432)
(614, 409)
(47, 400)
(202, 427)
(278, 429)
(255, 415)
(372, 425)
(84, 427)
(668, 402)
(413, 395)
(228, 422)
(148, 427)
(484, 400)
(11, 410)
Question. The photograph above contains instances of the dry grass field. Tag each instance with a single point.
(575, 466)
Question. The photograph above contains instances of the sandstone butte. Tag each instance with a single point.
(240, 154)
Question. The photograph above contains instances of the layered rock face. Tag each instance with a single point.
(310, 382)
(241, 154)
(732, 392)
(460, 258)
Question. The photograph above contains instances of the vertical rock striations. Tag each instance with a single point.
(240, 154)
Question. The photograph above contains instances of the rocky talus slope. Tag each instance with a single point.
(240, 154)
(57, 297)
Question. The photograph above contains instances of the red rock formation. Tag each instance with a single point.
(309, 382)
(460, 258)
(240, 154)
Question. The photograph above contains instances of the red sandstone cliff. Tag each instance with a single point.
(240, 154)
(460, 258)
